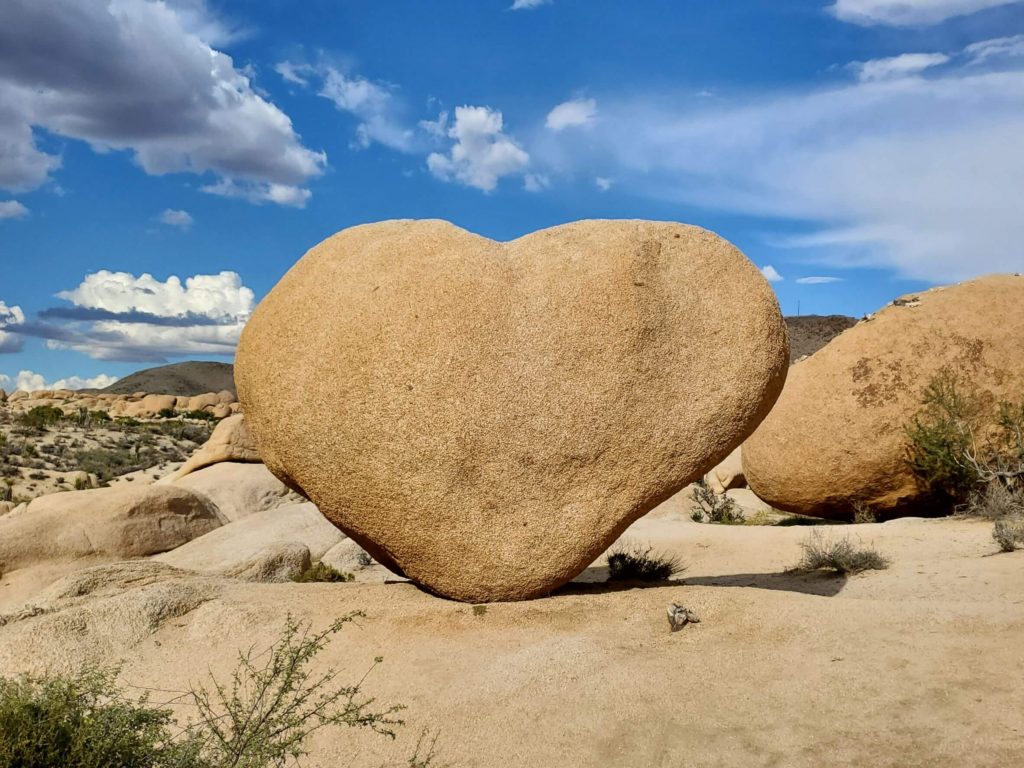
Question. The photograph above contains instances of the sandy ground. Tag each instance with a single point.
(919, 665)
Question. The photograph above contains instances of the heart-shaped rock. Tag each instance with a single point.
(489, 417)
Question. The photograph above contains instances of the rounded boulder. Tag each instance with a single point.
(489, 417)
(837, 439)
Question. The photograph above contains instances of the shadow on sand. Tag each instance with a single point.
(822, 584)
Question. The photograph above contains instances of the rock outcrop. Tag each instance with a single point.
(238, 547)
(728, 473)
(240, 489)
(117, 522)
(230, 441)
(836, 437)
(488, 417)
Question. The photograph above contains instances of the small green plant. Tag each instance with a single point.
(82, 484)
(201, 416)
(479, 610)
(1008, 532)
(166, 413)
(633, 562)
(322, 572)
(714, 507)
(823, 553)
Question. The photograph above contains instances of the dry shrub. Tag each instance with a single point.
(823, 553)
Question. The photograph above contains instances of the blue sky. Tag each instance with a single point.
(163, 164)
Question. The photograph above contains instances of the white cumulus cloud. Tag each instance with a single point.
(137, 75)
(30, 381)
(12, 209)
(482, 152)
(771, 274)
(568, 114)
(121, 316)
(905, 13)
(525, 5)
(173, 218)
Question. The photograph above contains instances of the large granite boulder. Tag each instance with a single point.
(118, 522)
(836, 438)
(488, 417)
(240, 489)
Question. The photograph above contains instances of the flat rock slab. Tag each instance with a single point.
(488, 417)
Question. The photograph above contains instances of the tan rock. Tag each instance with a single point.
(276, 563)
(220, 411)
(240, 489)
(17, 395)
(836, 436)
(489, 417)
(3, 395)
(728, 473)
(233, 548)
(199, 402)
(226, 397)
(230, 441)
(116, 522)
(153, 404)
(6, 506)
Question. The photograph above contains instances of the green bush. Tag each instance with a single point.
(715, 507)
(201, 415)
(82, 721)
(166, 413)
(322, 572)
(632, 562)
(821, 553)
(261, 718)
(960, 441)
(41, 416)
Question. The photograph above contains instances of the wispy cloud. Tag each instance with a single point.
(771, 274)
(525, 5)
(894, 67)
(905, 13)
(909, 172)
(818, 280)
(569, 114)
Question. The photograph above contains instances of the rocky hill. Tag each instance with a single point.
(809, 333)
(182, 379)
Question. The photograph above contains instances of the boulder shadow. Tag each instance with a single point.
(812, 583)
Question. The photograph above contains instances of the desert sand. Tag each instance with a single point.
(917, 665)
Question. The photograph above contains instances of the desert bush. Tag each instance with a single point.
(201, 416)
(1008, 532)
(261, 718)
(959, 442)
(322, 572)
(715, 507)
(863, 513)
(41, 416)
(633, 562)
(995, 500)
(823, 553)
(82, 721)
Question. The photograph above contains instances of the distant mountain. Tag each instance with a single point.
(185, 379)
(809, 333)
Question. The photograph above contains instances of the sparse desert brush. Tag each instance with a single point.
(715, 507)
(634, 562)
(863, 513)
(995, 501)
(821, 552)
(1008, 531)
(319, 571)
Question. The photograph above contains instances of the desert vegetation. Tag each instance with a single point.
(629, 561)
(262, 717)
(715, 507)
(842, 555)
(968, 453)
